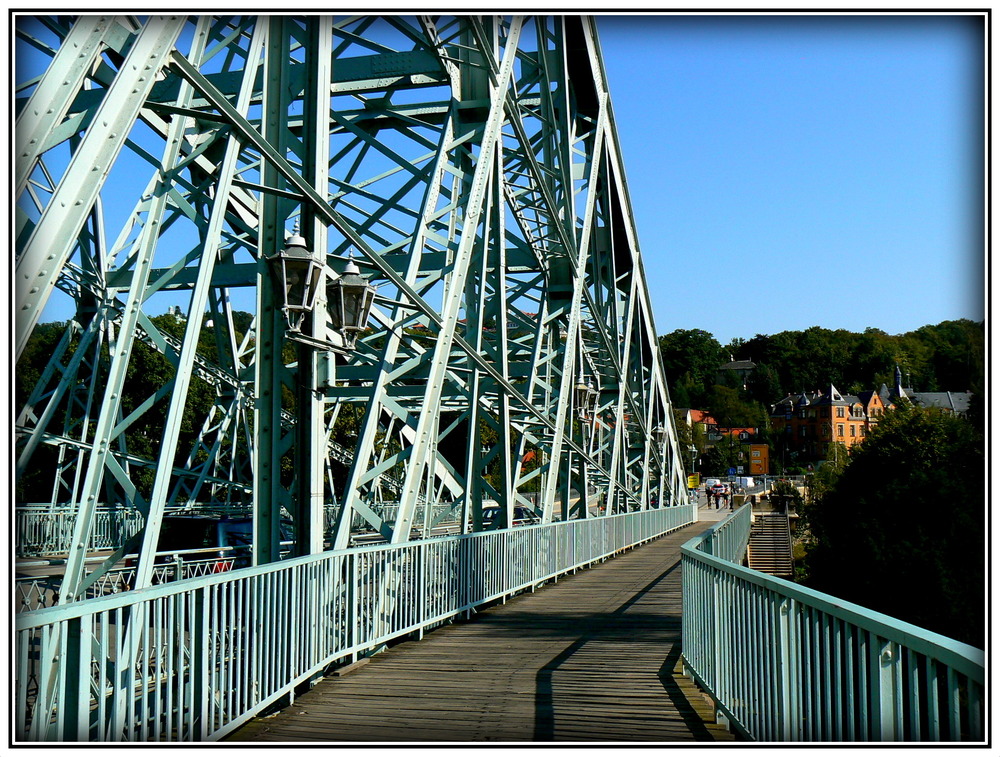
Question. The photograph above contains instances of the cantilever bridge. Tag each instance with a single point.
(363, 279)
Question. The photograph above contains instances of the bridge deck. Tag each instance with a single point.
(590, 658)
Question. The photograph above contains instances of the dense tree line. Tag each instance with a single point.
(948, 356)
(900, 528)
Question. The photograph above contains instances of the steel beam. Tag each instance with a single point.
(473, 165)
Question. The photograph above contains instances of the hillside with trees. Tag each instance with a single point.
(949, 356)
(900, 528)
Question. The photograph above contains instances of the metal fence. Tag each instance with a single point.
(37, 592)
(192, 660)
(784, 663)
(39, 531)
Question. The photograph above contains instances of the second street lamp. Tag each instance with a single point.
(350, 298)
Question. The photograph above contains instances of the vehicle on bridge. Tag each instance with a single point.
(522, 516)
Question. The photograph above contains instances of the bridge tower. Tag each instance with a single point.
(196, 198)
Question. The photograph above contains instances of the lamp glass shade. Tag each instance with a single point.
(350, 300)
(296, 273)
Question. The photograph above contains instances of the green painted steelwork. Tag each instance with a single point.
(471, 168)
(784, 663)
(200, 670)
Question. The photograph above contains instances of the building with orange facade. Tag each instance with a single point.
(812, 420)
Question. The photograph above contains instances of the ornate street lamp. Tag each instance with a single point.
(349, 298)
(583, 394)
(296, 272)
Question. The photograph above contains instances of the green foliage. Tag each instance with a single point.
(148, 371)
(763, 386)
(901, 528)
(717, 460)
(691, 358)
(684, 437)
(948, 356)
(788, 495)
(730, 411)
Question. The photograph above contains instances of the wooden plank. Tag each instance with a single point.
(591, 658)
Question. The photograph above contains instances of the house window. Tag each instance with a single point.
(862, 431)
(825, 430)
(840, 412)
(802, 432)
(853, 431)
(840, 429)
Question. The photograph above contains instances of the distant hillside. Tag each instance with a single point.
(949, 356)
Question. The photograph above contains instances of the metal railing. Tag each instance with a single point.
(37, 592)
(785, 663)
(193, 660)
(44, 531)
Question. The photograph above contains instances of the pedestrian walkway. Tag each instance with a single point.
(592, 658)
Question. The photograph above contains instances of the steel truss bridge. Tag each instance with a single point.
(470, 168)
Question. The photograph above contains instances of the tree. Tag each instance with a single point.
(684, 437)
(717, 460)
(730, 411)
(764, 386)
(691, 358)
(901, 530)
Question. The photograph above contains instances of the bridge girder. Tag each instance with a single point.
(472, 165)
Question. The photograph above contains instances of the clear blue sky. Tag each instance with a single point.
(788, 172)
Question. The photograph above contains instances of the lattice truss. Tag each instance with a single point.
(471, 166)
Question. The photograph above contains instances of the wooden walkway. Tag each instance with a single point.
(591, 658)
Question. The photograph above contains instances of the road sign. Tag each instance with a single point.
(732, 471)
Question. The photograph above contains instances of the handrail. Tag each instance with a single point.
(787, 663)
(729, 537)
(193, 660)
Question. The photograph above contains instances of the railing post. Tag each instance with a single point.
(716, 627)
(789, 725)
(200, 645)
(889, 692)
(353, 616)
(75, 709)
(422, 588)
